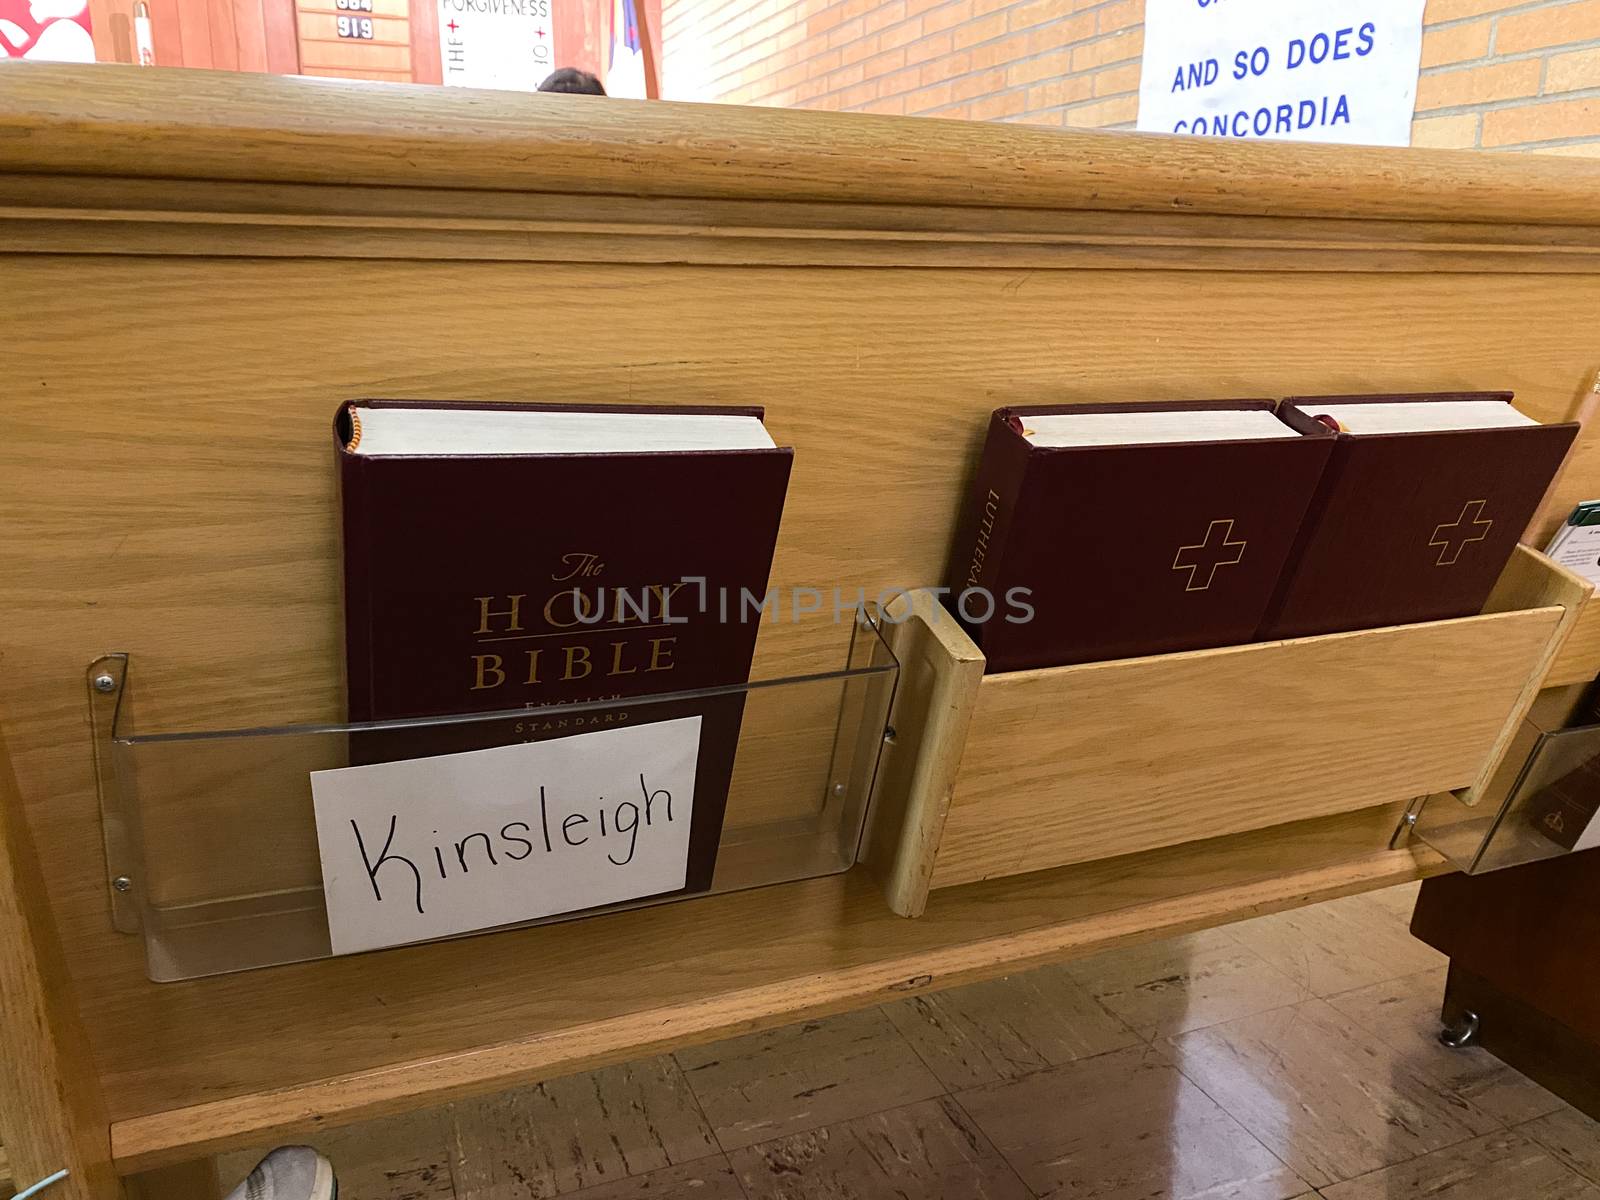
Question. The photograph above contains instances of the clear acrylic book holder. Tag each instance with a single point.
(1537, 818)
(177, 808)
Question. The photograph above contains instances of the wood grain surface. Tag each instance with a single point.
(1530, 581)
(940, 673)
(187, 124)
(1089, 762)
(1579, 658)
(51, 1114)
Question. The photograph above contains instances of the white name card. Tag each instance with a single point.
(437, 846)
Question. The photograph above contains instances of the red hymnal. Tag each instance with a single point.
(1130, 530)
(502, 557)
(1422, 503)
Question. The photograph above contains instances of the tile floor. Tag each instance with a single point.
(1285, 1058)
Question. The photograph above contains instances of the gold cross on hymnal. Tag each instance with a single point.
(1456, 536)
(1202, 560)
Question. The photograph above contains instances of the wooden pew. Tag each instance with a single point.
(198, 267)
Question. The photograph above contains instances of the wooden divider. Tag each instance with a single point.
(1579, 660)
(940, 670)
(1530, 581)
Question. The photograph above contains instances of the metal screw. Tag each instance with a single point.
(105, 683)
(122, 884)
(838, 789)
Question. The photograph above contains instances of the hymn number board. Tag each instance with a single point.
(354, 26)
(355, 39)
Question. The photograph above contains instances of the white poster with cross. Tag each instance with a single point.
(507, 44)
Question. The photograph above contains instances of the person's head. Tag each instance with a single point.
(570, 79)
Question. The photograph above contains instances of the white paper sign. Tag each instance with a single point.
(1286, 70)
(496, 43)
(437, 846)
(1577, 547)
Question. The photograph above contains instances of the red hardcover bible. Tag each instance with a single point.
(502, 557)
(1129, 530)
(1422, 503)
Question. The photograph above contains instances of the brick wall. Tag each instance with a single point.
(1496, 74)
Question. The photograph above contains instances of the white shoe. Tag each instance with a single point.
(289, 1173)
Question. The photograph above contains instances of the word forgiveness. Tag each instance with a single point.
(410, 863)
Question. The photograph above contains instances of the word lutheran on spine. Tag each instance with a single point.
(1148, 529)
(987, 516)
